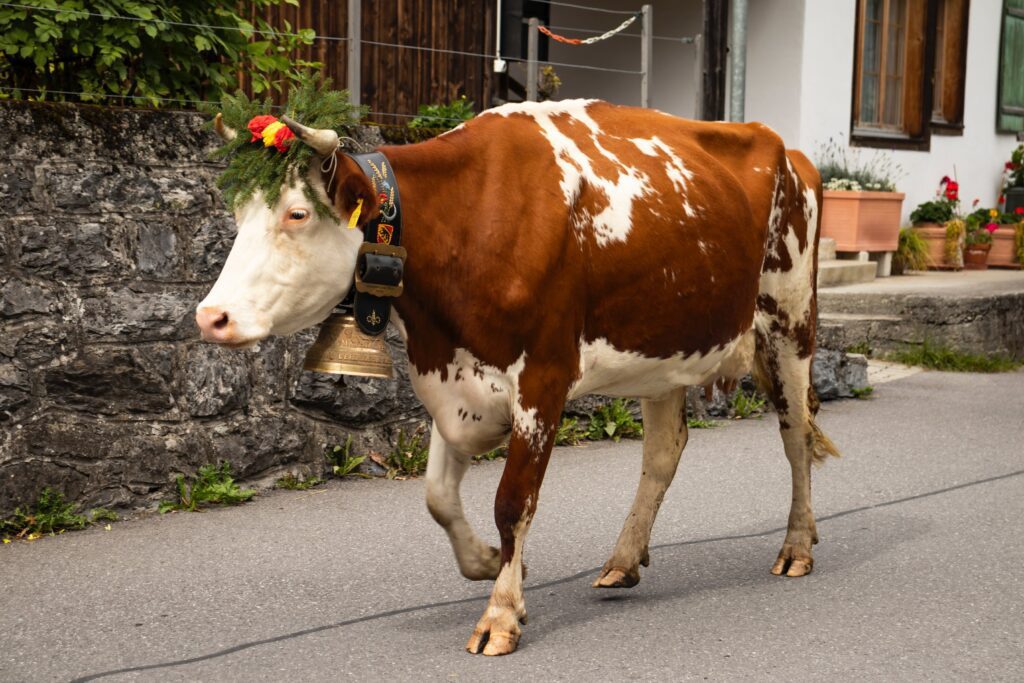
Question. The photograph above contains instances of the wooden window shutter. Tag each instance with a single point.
(1010, 105)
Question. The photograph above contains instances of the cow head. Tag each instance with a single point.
(289, 266)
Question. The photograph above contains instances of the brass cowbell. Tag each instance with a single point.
(342, 348)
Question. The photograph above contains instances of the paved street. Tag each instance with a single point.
(919, 574)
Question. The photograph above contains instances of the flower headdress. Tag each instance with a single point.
(271, 157)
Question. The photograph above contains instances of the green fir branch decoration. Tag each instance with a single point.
(253, 168)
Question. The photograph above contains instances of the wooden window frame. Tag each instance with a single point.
(941, 126)
(1004, 12)
(918, 114)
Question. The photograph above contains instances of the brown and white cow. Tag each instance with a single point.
(559, 249)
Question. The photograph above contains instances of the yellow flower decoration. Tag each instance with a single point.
(270, 131)
(992, 213)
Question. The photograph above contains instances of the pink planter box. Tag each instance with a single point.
(862, 221)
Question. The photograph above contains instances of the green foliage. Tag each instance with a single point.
(254, 168)
(213, 485)
(409, 456)
(1015, 168)
(939, 357)
(489, 456)
(744, 405)
(343, 462)
(290, 482)
(569, 432)
(863, 348)
(614, 421)
(441, 117)
(863, 393)
(912, 251)
(695, 423)
(842, 168)
(50, 514)
(936, 211)
(149, 55)
(97, 515)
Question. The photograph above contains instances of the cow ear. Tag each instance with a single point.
(352, 187)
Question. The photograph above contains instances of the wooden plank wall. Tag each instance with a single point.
(394, 80)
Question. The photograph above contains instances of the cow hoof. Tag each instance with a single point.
(792, 562)
(615, 577)
(483, 568)
(493, 642)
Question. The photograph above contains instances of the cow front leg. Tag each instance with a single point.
(445, 468)
(497, 632)
(665, 435)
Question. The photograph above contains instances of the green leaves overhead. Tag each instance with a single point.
(127, 52)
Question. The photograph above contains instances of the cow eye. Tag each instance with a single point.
(297, 215)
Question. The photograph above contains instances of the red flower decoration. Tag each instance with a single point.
(282, 137)
(991, 227)
(1010, 165)
(952, 190)
(1019, 211)
(257, 124)
(1002, 198)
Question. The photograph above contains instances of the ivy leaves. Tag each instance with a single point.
(186, 51)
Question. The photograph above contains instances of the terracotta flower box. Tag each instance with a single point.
(1004, 252)
(934, 236)
(862, 221)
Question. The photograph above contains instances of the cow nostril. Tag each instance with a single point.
(221, 322)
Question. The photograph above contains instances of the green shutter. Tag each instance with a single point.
(1010, 105)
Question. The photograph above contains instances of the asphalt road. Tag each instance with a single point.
(919, 574)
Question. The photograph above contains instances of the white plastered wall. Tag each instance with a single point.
(809, 110)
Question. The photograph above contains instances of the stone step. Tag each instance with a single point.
(832, 273)
(826, 249)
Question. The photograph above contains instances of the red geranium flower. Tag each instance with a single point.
(257, 124)
(1010, 165)
(991, 227)
(282, 137)
(952, 190)
(1019, 211)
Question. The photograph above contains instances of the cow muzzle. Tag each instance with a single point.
(218, 326)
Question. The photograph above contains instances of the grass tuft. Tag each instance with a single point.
(863, 393)
(940, 357)
(746, 405)
(51, 514)
(569, 432)
(696, 423)
(614, 421)
(290, 482)
(213, 485)
(409, 456)
(343, 462)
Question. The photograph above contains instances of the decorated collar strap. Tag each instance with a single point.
(381, 260)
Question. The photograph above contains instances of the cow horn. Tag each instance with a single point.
(226, 134)
(323, 140)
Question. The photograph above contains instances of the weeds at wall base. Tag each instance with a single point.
(50, 515)
(944, 358)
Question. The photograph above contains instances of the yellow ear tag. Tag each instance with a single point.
(353, 220)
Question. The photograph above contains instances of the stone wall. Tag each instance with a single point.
(110, 232)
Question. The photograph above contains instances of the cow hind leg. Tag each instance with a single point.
(445, 469)
(785, 376)
(665, 436)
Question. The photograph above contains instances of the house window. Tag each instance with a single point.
(1010, 112)
(950, 66)
(882, 64)
(908, 71)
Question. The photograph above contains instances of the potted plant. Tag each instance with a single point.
(979, 227)
(1010, 231)
(861, 209)
(1013, 181)
(931, 221)
(911, 253)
